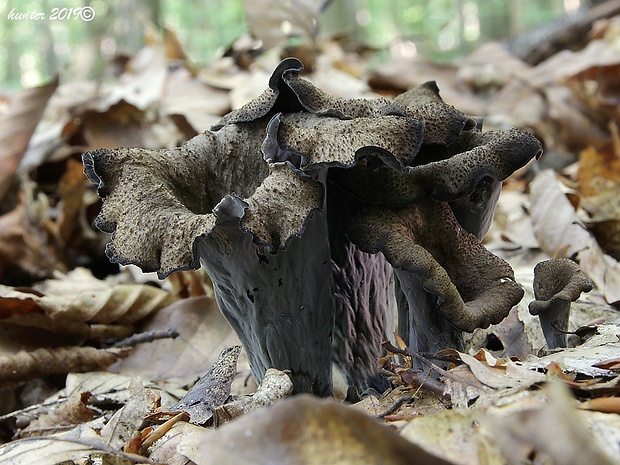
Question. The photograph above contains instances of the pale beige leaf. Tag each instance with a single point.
(453, 435)
(77, 444)
(126, 421)
(78, 297)
(550, 426)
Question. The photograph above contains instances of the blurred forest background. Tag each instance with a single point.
(32, 51)
(76, 330)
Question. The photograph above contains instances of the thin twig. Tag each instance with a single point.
(398, 404)
(148, 336)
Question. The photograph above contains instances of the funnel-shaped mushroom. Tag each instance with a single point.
(286, 202)
(557, 283)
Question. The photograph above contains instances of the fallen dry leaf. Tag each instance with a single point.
(551, 428)
(73, 411)
(42, 362)
(303, 430)
(118, 431)
(17, 127)
(82, 441)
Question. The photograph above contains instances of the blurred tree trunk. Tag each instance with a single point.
(133, 18)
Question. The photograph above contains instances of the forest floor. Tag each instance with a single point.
(92, 356)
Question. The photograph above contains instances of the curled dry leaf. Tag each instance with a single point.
(73, 411)
(42, 362)
(126, 421)
(67, 303)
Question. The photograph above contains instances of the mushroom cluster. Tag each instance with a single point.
(319, 219)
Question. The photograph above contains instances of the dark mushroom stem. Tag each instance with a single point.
(557, 283)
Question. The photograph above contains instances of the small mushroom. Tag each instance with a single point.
(316, 216)
(557, 283)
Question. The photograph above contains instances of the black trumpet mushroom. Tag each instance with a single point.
(317, 217)
(557, 283)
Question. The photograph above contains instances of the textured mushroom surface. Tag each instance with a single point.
(557, 283)
(316, 216)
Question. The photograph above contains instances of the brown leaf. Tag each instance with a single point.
(73, 411)
(71, 189)
(602, 404)
(598, 170)
(304, 430)
(43, 362)
(599, 182)
(24, 245)
(77, 302)
(118, 125)
(17, 127)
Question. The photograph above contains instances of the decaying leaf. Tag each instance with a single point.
(304, 430)
(16, 128)
(73, 411)
(212, 389)
(126, 421)
(42, 362)
(72, 302)
(274, 386)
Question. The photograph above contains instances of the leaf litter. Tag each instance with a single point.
(506, 399)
